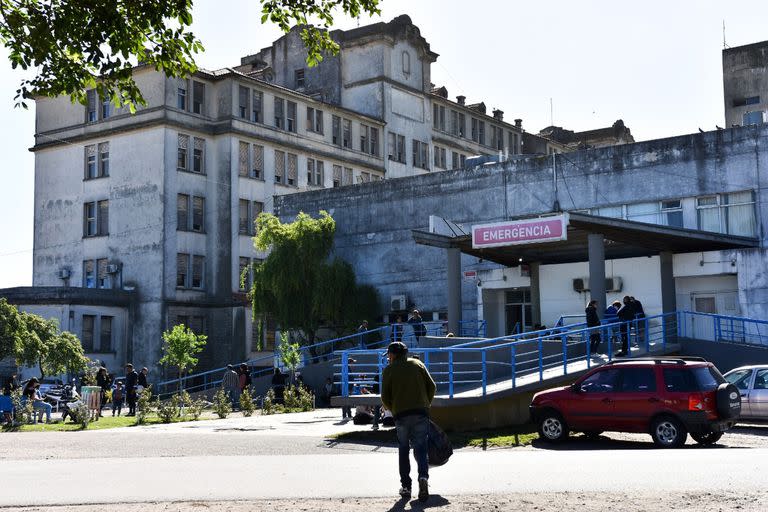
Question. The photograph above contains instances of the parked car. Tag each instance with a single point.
(667, 398)
(752, 382)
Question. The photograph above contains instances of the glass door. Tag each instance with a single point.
(517, 309)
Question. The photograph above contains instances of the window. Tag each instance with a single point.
(440, 158)
(95, 273)
(250, 161)
(106, 108)
(181, 97)
(454, 160)
(732, 213)
(478, 131)
(374, 149)
(182, 269)
(637, 380)
(604, 381)
(752, 118)
(336, 130)
(91, 114)
(298, 78)
(198, 156)
(198, 214)
(396, 147)
(279, 113)
(644, 212)
(182, 163)
(257, 162)
(198, 97)
(279, 166)
(105, 338)
(243, 158)
(104, 159)
(752, 100)
(364, 146)
(513, 143)
(369, 140)
(458, 124)
(89, 274)
(96, 218)
(336, 176)
(497, 137)
(256, 114)
(248, 212)
(365, 177)
(291, 117)
(293, 169)
(91, 169)
(348, 176)
(243, 109)
(182, 212)
(740, 379)
(420, 154)
(87, 338)
(198, 268)
(672, 213)
(462, 160)
(315, 171)
(346, 136)
(314, 120)
(102, 276)
(438, 117)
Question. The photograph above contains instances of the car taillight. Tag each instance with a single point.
(695, 402)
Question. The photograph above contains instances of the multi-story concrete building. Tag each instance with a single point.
(745, 84)
(145, 220)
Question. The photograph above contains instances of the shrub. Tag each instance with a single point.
(269, 406)
(24, 411)
(144, 405)
(187, 405)
(80, 413)
(167, 410)
(246, 403)
(299, 398)
(222, 405)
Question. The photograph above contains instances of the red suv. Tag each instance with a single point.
(667, 398)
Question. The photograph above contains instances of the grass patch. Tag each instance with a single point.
(106, 422)
(495, 438)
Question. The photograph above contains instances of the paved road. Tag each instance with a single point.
(288, 456)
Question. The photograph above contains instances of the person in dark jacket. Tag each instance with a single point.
(407, 390)
(104, 382)
(418, 325)
(639, 315)
(11, 385)
(626, 314)
(131, 381)
(593, 320)
(143, 379)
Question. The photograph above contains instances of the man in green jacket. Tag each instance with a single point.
(407, 391)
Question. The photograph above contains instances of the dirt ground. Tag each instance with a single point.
(549, 502)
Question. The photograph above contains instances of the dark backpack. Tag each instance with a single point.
(439, 448)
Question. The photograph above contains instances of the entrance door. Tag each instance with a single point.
(517, 310)
(703, 327)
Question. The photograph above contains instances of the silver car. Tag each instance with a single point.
(752, 381)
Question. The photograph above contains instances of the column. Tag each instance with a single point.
(453, 276)
(596, 250)
(535, 293)
(668, 294)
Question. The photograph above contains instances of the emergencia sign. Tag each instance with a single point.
(528, 231)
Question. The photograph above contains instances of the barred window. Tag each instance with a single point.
(293, 171)
(182, 269)
(198, 214)
(182, 212)
(279, 166)
(104, 159)
(102, 277)
(290, 121)
(257, 168)
(198, 156)
(89, 274)
(348, 176)
(336, 176)
(198, 271)
(243, 163)
(91, 169)
(183, 147)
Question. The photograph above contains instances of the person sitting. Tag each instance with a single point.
(32, 393)
(363, 413)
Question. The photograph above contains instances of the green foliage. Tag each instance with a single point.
(269, 406)
(289, 352)
(80, 414)
(286, 13)
(89, 374)
(24, 411)
(73, 46)
(12, 329)
(222, 405)
(192, 407)
(144, 405)
(52, 352)
(246, 403)
(167, 410)
(299, 399)
(180, 345)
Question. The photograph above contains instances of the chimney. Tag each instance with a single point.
(519, 124)
(498, 115)
(460, 99)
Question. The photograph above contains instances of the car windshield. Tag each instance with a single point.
(739, 378)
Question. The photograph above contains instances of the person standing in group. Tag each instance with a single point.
(610, 317)
(593, 320)
(102, 380)
(142, 383)
(640, 317)
(278, 386)
(361, 330)
(626, 314)
(230, 382)
(117, 398)
(131, 381)
(245, 377)
(418, 325)
(407, 391)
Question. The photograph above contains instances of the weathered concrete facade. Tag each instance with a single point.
(745, 84)
(374, 223)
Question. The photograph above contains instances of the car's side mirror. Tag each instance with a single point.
(576, 388)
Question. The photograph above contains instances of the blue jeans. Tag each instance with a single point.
(42, 407)
(414, 430)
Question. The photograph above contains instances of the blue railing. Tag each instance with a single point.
(567, 318)
(470, 366)
(473, 328)
(721, 328)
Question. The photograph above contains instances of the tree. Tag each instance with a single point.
(180, 345)
(75, 45)
(52, 352)
(12, 330)
(286, 13)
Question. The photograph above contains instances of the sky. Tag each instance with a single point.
(580, 65)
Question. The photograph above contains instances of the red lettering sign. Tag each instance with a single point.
(528, 231)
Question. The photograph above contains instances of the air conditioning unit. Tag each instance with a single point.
(64, 273)
(581, 284)
(397, 302)
(613, 284)
(112, 268)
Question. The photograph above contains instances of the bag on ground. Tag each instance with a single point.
(439, 448)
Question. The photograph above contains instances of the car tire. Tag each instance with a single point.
(552, 427)
(728, 401)
(668, 432)
(706, 438)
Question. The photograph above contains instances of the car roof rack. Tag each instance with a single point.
(660, 360)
